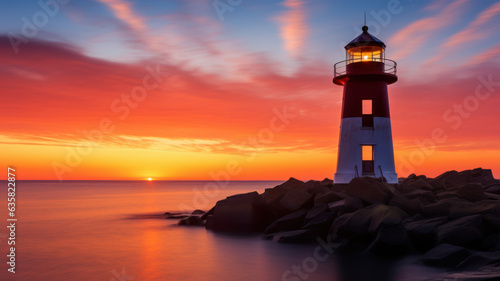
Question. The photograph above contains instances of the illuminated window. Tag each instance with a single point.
(367, 152)
(367, 107)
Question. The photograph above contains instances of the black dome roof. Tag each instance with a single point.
(365, 39)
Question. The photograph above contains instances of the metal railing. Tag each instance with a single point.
(340, 68)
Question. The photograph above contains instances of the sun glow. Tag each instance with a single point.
(150, 179)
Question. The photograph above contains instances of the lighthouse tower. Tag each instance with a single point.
(365, 142)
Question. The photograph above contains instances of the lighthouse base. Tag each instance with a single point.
(345, 178)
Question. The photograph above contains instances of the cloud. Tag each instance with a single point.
(416, 34)
(479, 29)
(293, 27)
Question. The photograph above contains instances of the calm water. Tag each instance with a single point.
(99, 230)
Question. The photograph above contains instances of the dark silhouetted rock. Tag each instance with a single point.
(209, 213)
(383, 216)
(294, 236)
(445, 206)
(352, 204)
(295, 199)
(424, 195)
(445, 255)
(409, 206)
(422, 231)
(327, 182)
(240, 213)
(370, 190)
(192, 221)
(471, 191)
(479, 259)
(326, 198)
(353, 226)
(464, 231)
(337, 206)
(391, 241)
(320, 217)
(197, 212)
(315, 187)
(291, 221)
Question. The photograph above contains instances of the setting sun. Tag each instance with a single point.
(150, 179)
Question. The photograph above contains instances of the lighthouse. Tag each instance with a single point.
(365, 141)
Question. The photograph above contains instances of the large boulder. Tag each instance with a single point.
(409, 206)
(479, 259)
(240, 213)
(370, 190)
(472, 192)
(465, 232)
(327, 197)
(422, 231)
(320, 217)
(291, 221)
(445, 207)
(445, 255)
(287, 198)
(383, 216)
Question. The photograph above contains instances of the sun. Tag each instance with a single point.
(150, 179)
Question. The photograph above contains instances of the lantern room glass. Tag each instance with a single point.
(365, 54)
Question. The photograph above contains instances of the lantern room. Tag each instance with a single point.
(364, 48)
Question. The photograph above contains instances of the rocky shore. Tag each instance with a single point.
(452, 220)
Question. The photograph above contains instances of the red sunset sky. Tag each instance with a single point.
(117, 89)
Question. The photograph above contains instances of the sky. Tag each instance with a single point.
(237, 89)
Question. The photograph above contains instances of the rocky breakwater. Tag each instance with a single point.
(452, 220)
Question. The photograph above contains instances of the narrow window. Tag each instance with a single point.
(367, 113)
(367, 152)
(367, 107)
(368, 160)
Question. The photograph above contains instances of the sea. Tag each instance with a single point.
(115, 231)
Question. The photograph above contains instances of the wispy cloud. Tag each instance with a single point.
(416, 34)
(293, 27)
(480, 28)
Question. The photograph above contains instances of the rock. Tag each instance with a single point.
(273, 194)
(286, 198)
(326, 198)
(494, 188)
(445, 255)
(291, 221)
(424, 195)
(240, 213)
(370, 190)
(352, 204)
(479, 259)
(353, 226)
(453, 179)
(327, 182)
(444, 207)
(319, 218)
(485, 207)
(337, 206)
(197, 212)
(295, 199)
(391, 241)
(487, 273)
(446, 194)
(419, 184)
(315, 187)
(422, 231)
(409, 206)
(209, 222)
(363, 224)
(492, 223)
(191, 221)
(384, 216)
(209, 213)
(464, 231)
(294, 236)
(472, 192)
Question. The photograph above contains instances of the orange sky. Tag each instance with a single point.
(69, 115)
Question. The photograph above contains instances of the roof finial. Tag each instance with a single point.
(365, 28)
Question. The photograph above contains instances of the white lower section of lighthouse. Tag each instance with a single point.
(353, 137)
